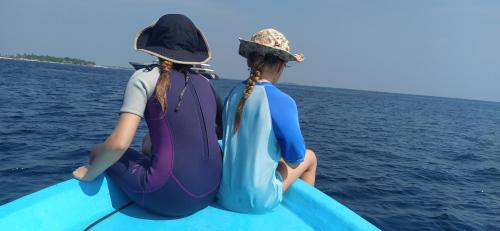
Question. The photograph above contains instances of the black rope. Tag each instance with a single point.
(151, 66)
(106, 216)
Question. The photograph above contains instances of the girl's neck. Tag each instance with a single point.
(271, 77)
(264, 81)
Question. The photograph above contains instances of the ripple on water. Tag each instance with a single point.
(402, 162)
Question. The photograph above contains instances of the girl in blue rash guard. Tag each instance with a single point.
(179, 106)
(264, 151)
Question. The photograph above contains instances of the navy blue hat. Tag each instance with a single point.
(174, 37)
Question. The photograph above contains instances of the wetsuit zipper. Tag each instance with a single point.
(183, 91)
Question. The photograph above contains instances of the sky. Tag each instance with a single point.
(448, 48)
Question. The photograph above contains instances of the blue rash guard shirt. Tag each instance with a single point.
(269, 130)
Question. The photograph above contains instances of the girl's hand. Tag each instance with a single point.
(81, 174)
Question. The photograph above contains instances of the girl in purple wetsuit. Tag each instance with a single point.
(183, 172)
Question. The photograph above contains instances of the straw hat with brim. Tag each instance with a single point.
(269, 41)
(175, 38)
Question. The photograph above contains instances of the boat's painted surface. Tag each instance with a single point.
(74, 205)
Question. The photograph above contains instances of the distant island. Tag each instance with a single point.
(50, 59)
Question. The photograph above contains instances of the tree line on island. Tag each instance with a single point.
(46, 58)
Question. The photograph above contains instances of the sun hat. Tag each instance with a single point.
(269, 41)
(174, 37)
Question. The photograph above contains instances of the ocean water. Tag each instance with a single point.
(403, 162)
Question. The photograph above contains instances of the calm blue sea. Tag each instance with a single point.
(403, 162)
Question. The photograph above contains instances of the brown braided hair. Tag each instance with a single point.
(163, 84)
(256, 64)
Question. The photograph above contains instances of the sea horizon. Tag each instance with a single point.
(281, 82)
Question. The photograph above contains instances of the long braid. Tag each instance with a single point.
(256, 63)
(163, 84)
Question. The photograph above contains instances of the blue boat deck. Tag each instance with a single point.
(73, 205)
(211, 218)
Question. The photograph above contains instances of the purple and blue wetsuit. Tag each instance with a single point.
(184, 172)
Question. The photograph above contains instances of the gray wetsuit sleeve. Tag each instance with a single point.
(139, 88)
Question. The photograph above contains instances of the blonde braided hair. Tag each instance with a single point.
(256, 64)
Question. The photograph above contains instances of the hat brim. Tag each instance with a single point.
(176, 56)
(248, 47)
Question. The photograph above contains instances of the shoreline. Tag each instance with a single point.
(40, 61)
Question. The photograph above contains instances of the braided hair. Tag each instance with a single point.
(163, 83)
(256, 64)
